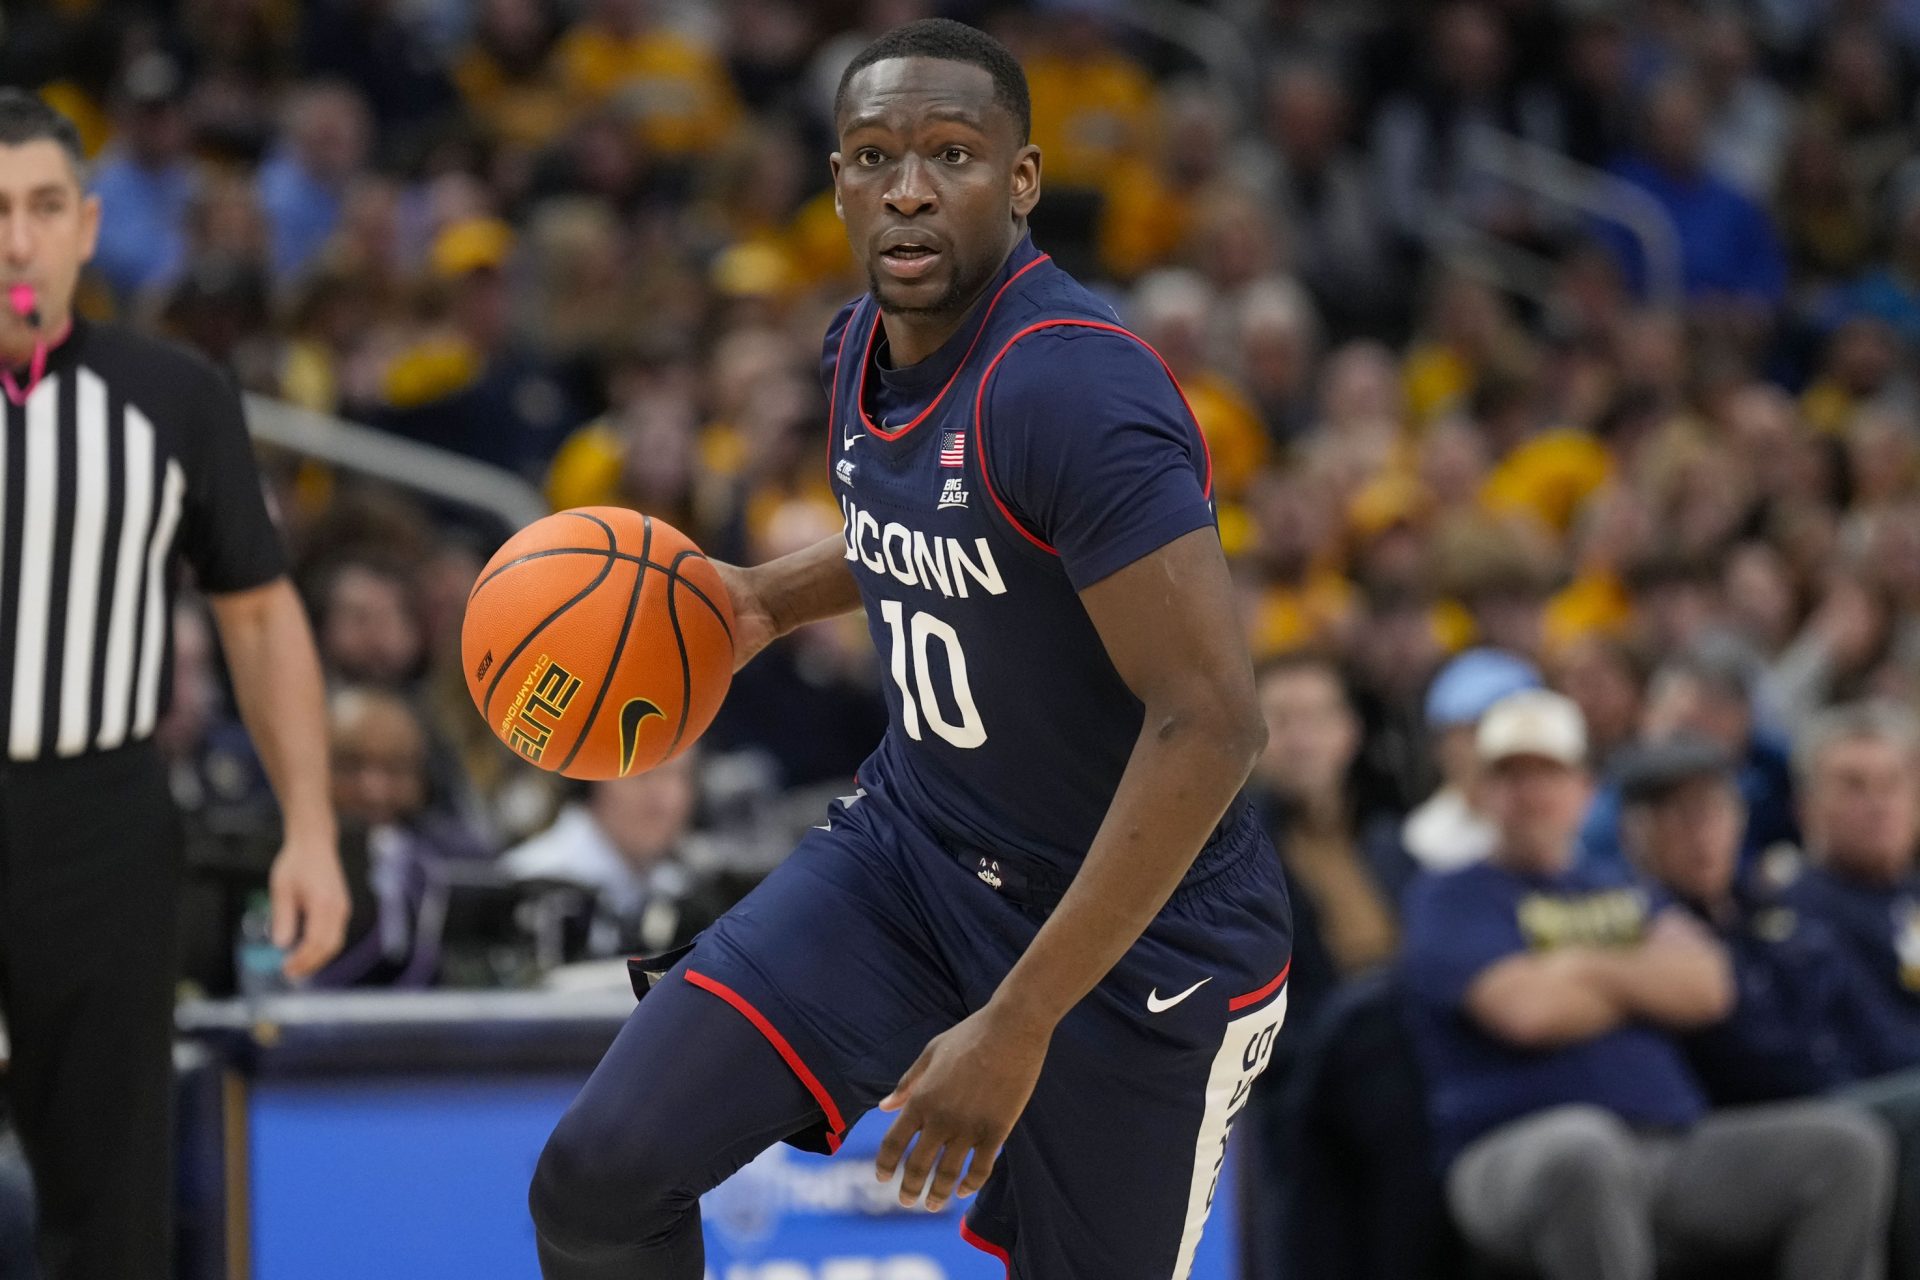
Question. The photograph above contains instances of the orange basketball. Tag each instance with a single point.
(598, 642)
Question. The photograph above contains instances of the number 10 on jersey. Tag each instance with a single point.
(923, 629)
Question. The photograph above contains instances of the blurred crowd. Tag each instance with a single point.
(1539, 344)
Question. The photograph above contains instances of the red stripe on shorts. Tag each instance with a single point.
(836, 1125)
(1255, 997)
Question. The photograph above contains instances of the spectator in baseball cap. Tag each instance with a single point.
(1447, 830)
(1806, 1018)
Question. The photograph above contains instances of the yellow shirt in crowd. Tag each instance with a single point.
(678, 93)
(1550, 477)
(1089, 115)
(521, 112)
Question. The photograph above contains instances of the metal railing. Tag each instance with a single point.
(390, 458)
(1546, 174)
(1213, 41)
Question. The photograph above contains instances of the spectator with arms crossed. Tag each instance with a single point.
(1546, 998)
(1805, 1019)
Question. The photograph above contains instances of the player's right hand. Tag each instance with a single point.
(753, 625)
(957, 1104)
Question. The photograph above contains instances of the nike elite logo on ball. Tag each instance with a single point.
(1156, 1005)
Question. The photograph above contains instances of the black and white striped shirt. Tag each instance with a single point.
(128, 450)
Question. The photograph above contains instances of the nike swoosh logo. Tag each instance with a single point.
(632, 716)
(1156, 1005)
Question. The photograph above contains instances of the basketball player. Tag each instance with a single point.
(1044, 930)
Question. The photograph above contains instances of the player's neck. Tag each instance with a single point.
(912, 336)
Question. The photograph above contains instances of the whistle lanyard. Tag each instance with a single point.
(35, 371)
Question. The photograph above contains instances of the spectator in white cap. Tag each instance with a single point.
(1546, 999)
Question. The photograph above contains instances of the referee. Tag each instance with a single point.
(119, 454)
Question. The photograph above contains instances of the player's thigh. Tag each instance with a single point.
(1113, 1170)
(837, 960)
(686, 1095)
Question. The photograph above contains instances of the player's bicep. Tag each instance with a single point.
(1092, 451)
(1171, 630)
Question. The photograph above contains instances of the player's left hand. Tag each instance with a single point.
(961, 1098)
(309, 900)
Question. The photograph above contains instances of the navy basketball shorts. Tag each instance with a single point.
(874, 937)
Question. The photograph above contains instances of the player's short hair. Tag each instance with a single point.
(949, 41)
(25, 118)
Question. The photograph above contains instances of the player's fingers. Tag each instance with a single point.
(984, 1157)
(952, 1162)
(894, 1145)
(913, 1180)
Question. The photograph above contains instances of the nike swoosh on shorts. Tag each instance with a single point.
(1156, 1005)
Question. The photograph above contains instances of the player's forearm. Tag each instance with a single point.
(1186, 767)
(806, 586)
(278, 685)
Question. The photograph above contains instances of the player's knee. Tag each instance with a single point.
(592, 1187)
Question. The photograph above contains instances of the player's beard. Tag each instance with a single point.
(953, 300)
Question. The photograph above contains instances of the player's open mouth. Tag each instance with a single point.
(909, 261)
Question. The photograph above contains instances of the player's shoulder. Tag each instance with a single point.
(840, 325)
(838, 330)
(1069, 344)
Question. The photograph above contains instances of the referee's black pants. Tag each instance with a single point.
(90, 853)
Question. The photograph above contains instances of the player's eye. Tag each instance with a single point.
(954, 155)
(867, 157)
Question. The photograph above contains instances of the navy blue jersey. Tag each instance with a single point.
(1041, 449)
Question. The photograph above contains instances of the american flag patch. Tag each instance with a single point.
(953, 448)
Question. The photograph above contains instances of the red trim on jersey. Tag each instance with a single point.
(866, 361)
(979, 422)
(985, 1245)
(837, 1127)
(1255, 997)
(833, 400)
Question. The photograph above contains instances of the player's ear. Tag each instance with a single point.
(1026, 180)
(833, 167)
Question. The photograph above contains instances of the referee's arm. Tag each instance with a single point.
(238, 556)
(276, 679)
